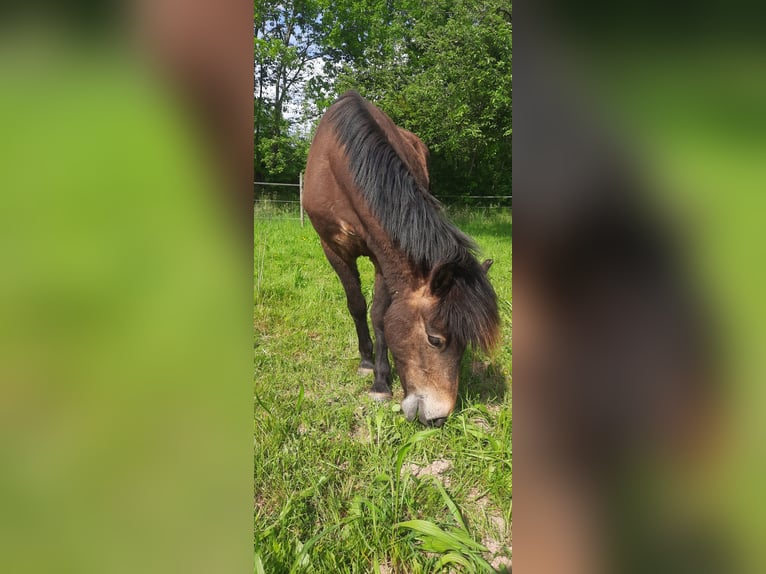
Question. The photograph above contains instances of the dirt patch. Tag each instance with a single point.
(360, 431)
(499, 546)
(483, 424)
(438, 469)
(498, 538)
(361, 434)
(503, 564)
(265, 505)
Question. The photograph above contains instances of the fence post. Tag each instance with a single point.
(300, 194)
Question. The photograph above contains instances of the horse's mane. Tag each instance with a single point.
(410, 215)
(415, 221)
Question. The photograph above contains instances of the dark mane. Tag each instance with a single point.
(415, 221)
(410, 215)
(469, 307)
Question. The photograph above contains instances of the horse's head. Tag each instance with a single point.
(429, 328)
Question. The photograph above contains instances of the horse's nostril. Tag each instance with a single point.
(438, 422)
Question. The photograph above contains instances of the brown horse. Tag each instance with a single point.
(366, 193)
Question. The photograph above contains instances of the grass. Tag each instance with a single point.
(343, 484)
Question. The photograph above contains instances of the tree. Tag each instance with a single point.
(445, 73)
(441, 69)
(287, 39)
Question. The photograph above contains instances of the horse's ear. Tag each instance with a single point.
(487, 264)
(442, 279)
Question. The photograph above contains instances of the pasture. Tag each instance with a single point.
(343, 484)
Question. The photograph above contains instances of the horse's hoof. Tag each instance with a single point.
(380, 397)
(364, 371)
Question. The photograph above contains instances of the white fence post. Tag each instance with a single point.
(300, 194)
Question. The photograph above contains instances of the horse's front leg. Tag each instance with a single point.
(357, 306)
(381, 388)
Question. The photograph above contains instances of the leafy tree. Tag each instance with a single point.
(445, 73)
(440, 68)
(287, 39)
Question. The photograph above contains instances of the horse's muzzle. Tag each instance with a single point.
(414, 406)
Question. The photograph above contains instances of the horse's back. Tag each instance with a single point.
(328, 190)
(331, 197)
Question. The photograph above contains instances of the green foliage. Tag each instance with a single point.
(445, 73)
(287, 38)
(280, 156)
(441, 69)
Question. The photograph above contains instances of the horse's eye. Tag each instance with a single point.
(436, 342)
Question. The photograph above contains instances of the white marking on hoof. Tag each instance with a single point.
(364, 371)
(380, 397)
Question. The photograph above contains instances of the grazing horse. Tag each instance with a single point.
(366, 193)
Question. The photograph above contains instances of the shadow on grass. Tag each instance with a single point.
(482, 380)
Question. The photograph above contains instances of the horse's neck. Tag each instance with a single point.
(401, 276)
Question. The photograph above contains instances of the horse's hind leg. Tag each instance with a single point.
(357, 306)
(381, 388)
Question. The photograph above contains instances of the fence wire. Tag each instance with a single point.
(271, 203)
(266, 209)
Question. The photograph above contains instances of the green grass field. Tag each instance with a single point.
(346, 485)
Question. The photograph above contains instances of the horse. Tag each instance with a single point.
(366, 193)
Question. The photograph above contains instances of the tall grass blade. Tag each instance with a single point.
(306, 492)
(299, 402)
(303, 555)
(465, 539)
(483, 565)
(454, 510)
(455, 558)
(436, 539)
(261, 264)
(258, 569)
(263, 405)
(407, 446)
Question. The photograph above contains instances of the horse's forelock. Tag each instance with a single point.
(468, 310)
